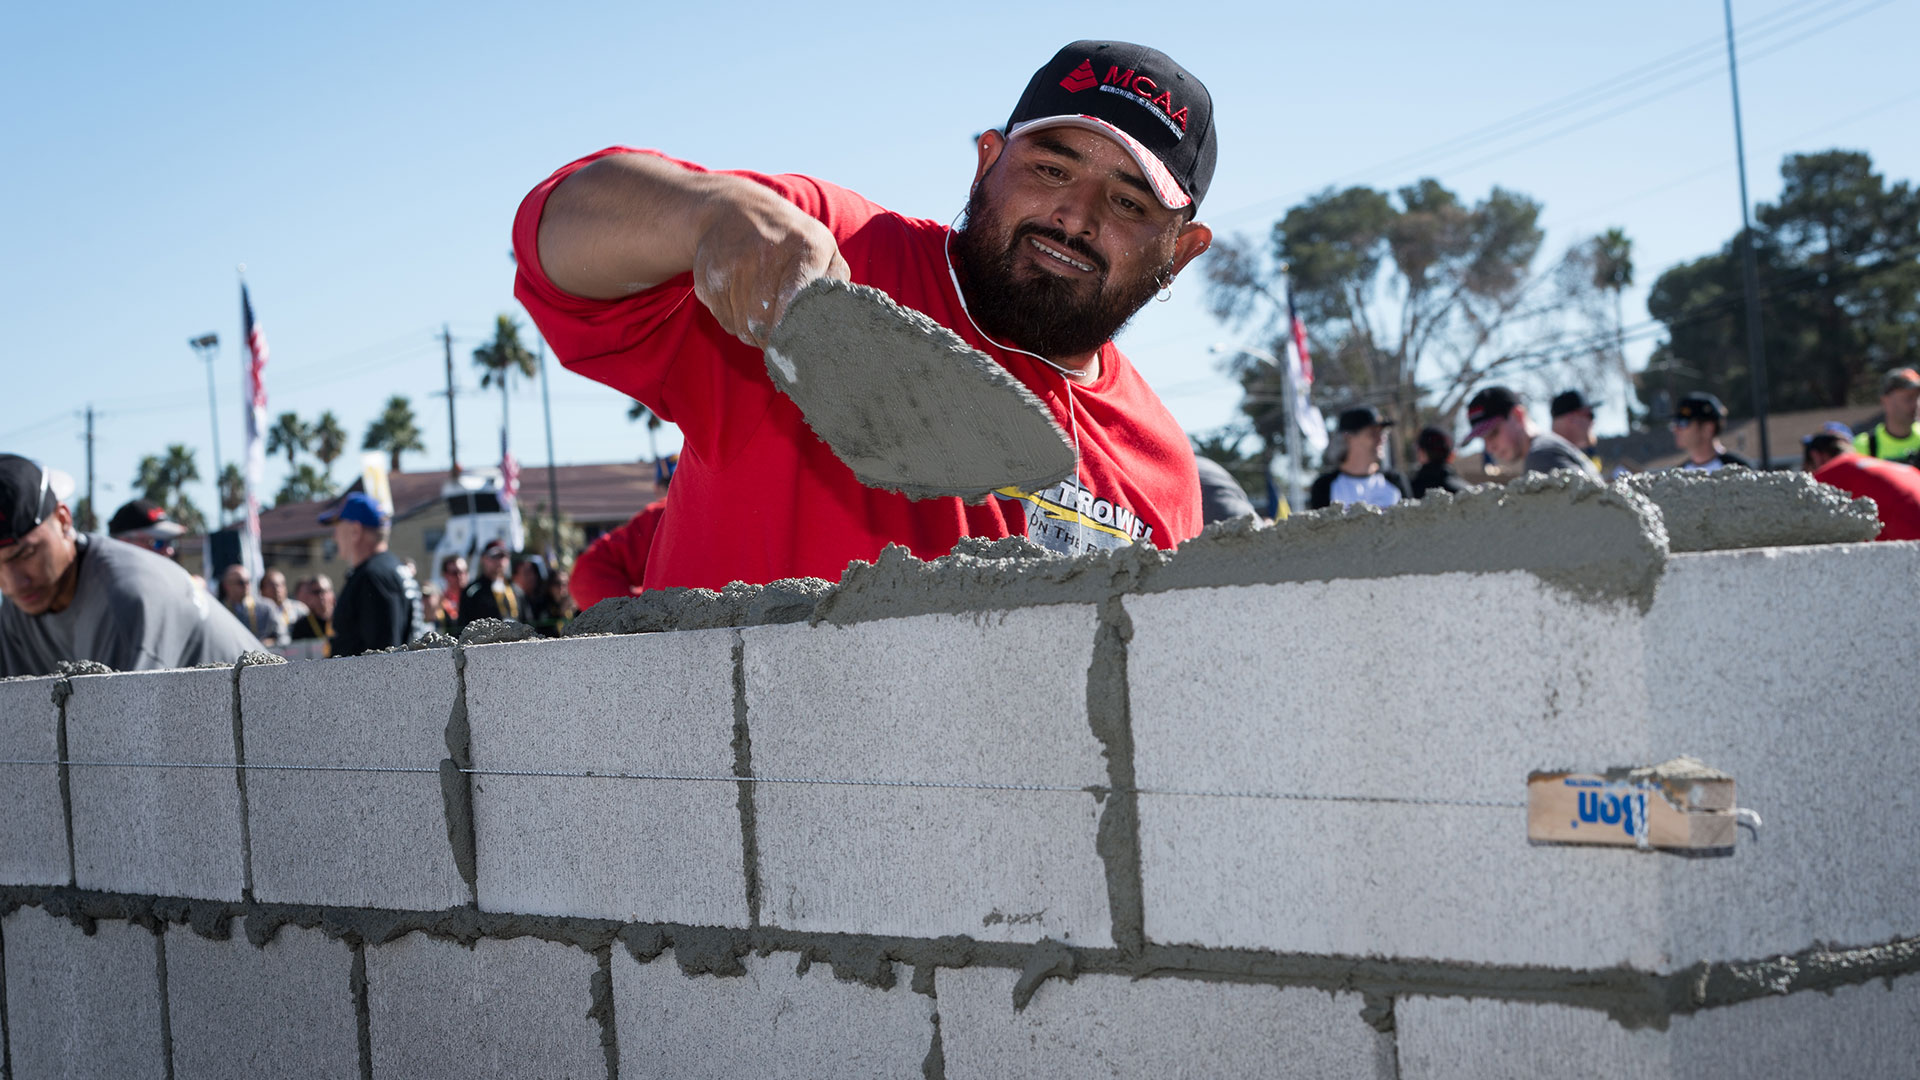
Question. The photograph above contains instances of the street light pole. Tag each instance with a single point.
(1750, 269)
(208, 348)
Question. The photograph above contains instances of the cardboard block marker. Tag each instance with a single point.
(1678, 804)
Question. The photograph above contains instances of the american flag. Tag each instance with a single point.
(509, 476)
(256, 413)
(1299, 371)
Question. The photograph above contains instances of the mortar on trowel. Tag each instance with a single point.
(1677, 805)
(905, 403)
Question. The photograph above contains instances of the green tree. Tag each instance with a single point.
(1413, 300)
(163, 479)
(395, 431)
(498, 361)
(1227, 445)
(329, 440)
(540, 535)
(306, 484)
(1839, 260)
(233, 490)
(289, 433)
(83, 516)
(637, 411)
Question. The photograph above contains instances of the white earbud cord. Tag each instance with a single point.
(1067, 375)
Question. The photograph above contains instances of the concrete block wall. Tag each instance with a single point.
(1167, 826)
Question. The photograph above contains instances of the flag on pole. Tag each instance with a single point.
(1300, 373)
(256, 413)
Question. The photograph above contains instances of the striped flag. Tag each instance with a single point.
(1299, 367)
(256, 413)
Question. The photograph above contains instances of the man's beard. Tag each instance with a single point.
(1049, 314)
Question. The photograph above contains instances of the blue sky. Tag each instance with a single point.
(364, 162)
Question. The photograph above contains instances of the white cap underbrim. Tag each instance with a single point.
(1165, 187)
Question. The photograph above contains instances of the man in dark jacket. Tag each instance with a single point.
(379, 605)
(1436, 464)
(1358, 475)
(492, 594)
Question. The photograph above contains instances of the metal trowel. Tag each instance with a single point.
(905, 403)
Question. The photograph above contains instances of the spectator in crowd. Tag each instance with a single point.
(71, 596)
(530, 577)
(1221, 496)
(380, 602)
(144, 523)
(1435, 448)
(1894, 487)
(262, 618)
(1498, 416)
(430, 605)
(316, 593)
(1895, 438)
(1573, 421)
(492, 595)
(1356, 475)
(453, 581)
(558, 609)
(273, 587)
(616, 562)
(1697, 423)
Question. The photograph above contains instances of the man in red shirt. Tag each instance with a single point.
(663, 280)
(1893, 486)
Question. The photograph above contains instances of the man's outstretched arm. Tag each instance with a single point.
(628, 222)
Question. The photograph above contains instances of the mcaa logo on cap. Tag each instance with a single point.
(1130, 82)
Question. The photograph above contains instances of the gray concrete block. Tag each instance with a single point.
(344, 836)
(771, 1023)
(33, 831)
(172, 830)
(1793, 670)
(81, 1005)
(249, 1013)
(977, 701)
(1869, 1032)
(1102, 1026)
(502, 1008)
(604, 847)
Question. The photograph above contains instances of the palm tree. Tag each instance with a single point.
(233, 488)
(306, 484)
(329, 440)
(289, 433)
(163, 479)
(637, 411)
(1613, 272)
(395, 430)
(499, 359)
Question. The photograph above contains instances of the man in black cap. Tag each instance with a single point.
(1573, 421)
(379, 604)
(71, 596)
(1498, 416)
(144, 523)
(1357, 475)
(664, 279)
(1697, 423)
(492, 594)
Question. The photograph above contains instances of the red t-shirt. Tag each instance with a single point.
(758, 496)
(615, 564)
(1893, 487)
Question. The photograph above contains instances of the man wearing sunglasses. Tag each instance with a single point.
(1697, 423)
(75, 597)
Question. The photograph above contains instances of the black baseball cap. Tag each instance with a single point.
(1361, 417)
(1136, 96)
(1571, 401)
(1487, 408)
(1700, 406)
(143, 515)
(27, 497)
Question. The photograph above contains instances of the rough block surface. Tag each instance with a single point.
(502, 1008)
(608, 847)
(989, 699)
(1102, 1026)
(81, 1005)
(1865, 1032)
(771, 1023)
(33, 830)
(345, 837)
(141, 829)
(238, 1012)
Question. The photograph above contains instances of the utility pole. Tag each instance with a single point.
(208, 348)
(1750, 269)
(453, 438)
(93, 508)
(554, 550)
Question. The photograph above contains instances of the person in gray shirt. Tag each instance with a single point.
(1498, 416)
(70, 596)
